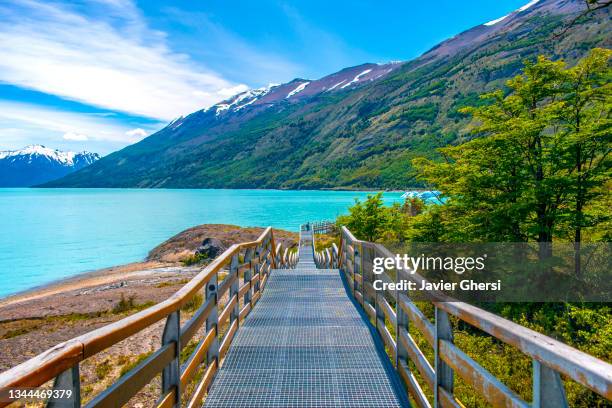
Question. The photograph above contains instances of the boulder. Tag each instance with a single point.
(210, 248)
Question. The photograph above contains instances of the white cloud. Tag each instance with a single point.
(118, 63)
(35, 121)
(227, 92)
(138, 132)
(77, 137)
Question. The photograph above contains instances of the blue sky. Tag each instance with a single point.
(101, 74)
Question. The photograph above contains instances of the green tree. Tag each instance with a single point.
(540, 156)
(583, 115)
(366, 219)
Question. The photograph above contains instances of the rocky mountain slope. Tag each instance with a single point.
(357, 128)
(38, 164)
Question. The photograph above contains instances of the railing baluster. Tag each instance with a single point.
(444, 373)
(401, 321)
(235, 313)
(213, 320)
(548, 390)
(258, 268)
(356, 265)
(171, 375)
(68, 380)
(248, 274)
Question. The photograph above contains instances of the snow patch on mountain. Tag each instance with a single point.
(497, 20)
(65, 158)
(526, 6)
(336, 85)
(523, 8)
(356, 79)
(241, 100)
(299, 88)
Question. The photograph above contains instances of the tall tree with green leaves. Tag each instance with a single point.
(540, 156)
(584, 121)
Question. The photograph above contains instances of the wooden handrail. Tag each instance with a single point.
(61, 360)
(550, 357)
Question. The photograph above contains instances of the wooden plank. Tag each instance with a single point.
(417, 318)
(388, 340)
(227, 339)
(447, 400)
(43, 367)
(127, 386)
(417, 357)
(197, 357)
(245, 311)
(167, 401)
(388, 310)
(225, 314)
(414, 388)
(370, 310)
(197, 320)
(496, 393)
(225, 284)
(202, 388)
(244, 289)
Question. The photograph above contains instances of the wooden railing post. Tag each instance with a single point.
(401, 322)
(248, 274)
(548, 390)
(233, 270)
(258, 268)
(68, 380)
(171, 375)
(356, 265)
(380, 313)
(278, 256)
(213, 320)
(443, 372)
(273, 249)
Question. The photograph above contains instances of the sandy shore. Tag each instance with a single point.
(84, 280)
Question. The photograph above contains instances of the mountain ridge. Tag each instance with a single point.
(35, 164)
(302, 135)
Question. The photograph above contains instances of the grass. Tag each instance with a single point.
(171, 283)
(133, 363)
(193, 304)
(103, 369)
(187, 350)
(129, 305)
(124, 306)
(193, 259)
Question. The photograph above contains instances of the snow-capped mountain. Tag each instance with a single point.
(297, 90)
(355, 128)
(38, 164)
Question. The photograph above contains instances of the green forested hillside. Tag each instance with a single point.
(360, 138)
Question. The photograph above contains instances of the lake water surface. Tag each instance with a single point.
(49, 234)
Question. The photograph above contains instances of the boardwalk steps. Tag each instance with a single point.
(306, 345)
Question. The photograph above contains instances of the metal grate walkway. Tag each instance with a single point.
(305, 344)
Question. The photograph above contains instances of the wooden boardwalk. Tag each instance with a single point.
(280, 328)
(306, 344)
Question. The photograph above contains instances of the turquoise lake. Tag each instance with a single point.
(50, 234)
